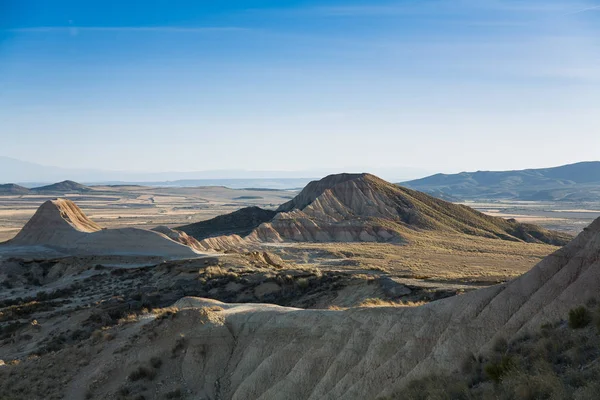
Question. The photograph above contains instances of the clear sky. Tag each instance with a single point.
(295, 85)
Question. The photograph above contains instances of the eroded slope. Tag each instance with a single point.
(61, 226)
(254, 351)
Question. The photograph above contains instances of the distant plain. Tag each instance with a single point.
(141, 206)
(570, 217)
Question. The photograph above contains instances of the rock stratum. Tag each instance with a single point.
(260, 351)
(363, 207)
(61, 226)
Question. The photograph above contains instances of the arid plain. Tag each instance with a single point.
(477, 262)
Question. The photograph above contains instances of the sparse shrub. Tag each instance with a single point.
(500, 345)
(579, 318)
(166, 312)
(179, 345)
(553, 363)
(219, 272)
(156, 362)
(497, 370)
(435, 387)
(80, 334)
(142, 373)
(174, 394)
(303, 283)
(128, 318)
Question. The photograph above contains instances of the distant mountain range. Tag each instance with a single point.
(60, 187)
(30, 174)
(574, 182)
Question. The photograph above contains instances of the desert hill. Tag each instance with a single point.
(574, 182)
(61, 226)
(11, 188)
(362, 207)
(260, 351)
(62, 187)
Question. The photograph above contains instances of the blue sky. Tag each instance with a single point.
(300, 85)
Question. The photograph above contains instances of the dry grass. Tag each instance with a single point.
(165, 312)
(450, 257)
(216, 272)
(388, 303)
(128, 318)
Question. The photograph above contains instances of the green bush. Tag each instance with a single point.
(497, 370)
(579, 318)
(156, 362)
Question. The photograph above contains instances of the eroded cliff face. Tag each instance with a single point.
(257, 351)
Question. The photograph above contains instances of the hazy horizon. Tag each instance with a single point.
(438, 86)
(30, 174)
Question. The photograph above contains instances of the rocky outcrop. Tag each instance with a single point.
(61, 226)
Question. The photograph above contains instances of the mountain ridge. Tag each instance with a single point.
(571, 182)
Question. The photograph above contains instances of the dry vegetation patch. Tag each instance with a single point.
(560, 361)
(388, 303)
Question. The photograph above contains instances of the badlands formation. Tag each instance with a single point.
(94, 331)
(362, 207)
(205, 349)
(259, 351)
(59, 226)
